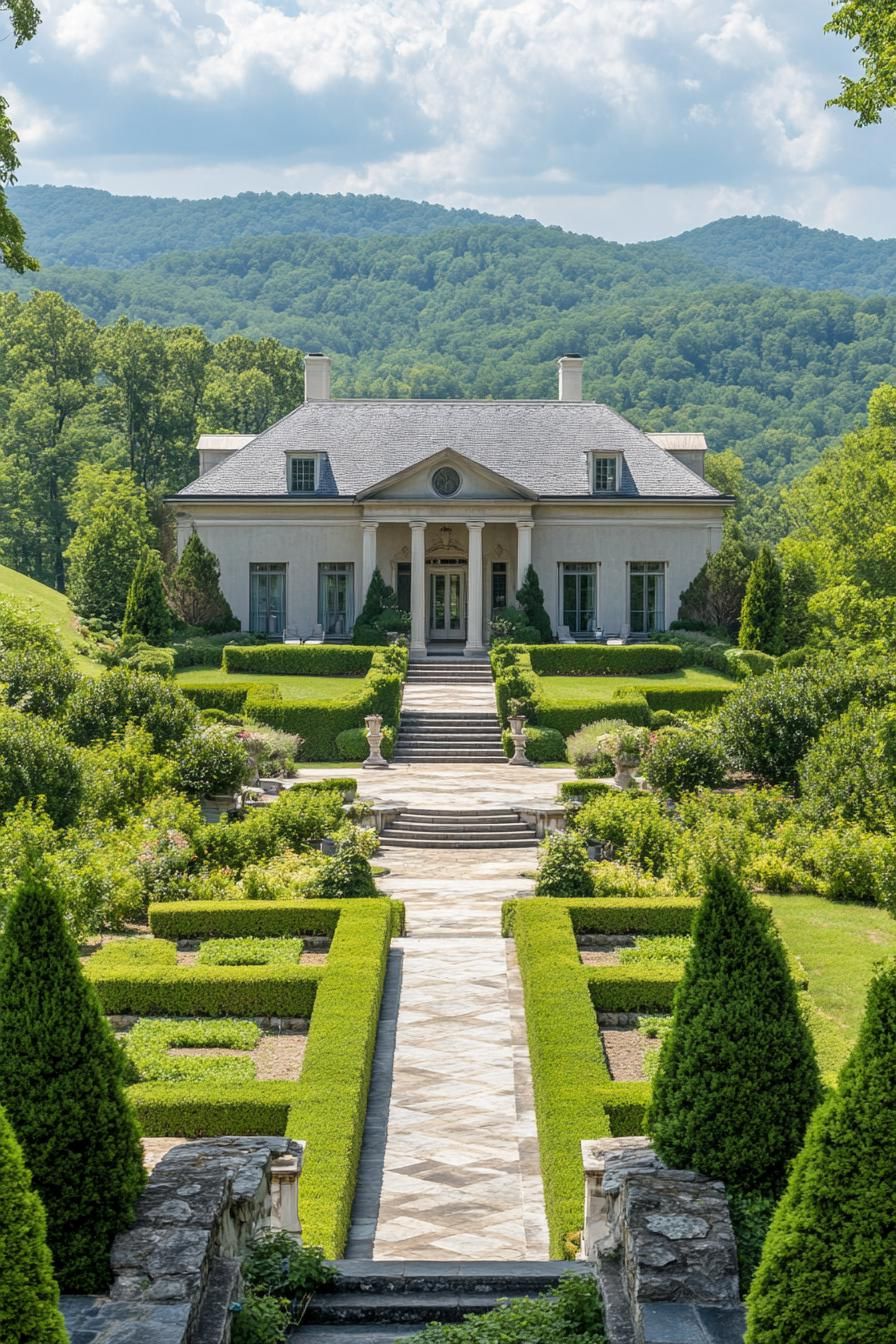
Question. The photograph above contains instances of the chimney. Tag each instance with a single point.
(317, 377)
(570, 367)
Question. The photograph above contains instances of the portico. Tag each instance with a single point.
(451, 571)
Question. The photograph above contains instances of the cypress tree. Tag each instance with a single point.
(29, 1297)
(195, 595)
(828, 1268)
(737, 1079)
(531, 601)
(380, 597)
(61, 1082)
(146, 612)
(763, 607)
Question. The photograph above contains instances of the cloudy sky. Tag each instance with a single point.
(626, 118)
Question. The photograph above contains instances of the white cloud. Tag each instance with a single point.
(743, 39)
(35, 125)
(788, 110)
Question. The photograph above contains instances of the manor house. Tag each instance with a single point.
(452, 500)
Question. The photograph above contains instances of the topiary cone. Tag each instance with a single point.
(61, 1082)
(828, 1268)
(29, 1298)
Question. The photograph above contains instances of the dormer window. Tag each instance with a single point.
(605, 473)
(302, 475)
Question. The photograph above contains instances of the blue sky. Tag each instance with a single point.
(626, 118)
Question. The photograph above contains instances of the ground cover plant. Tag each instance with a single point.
(249, 951)
(573, 1314)
(148, 1043)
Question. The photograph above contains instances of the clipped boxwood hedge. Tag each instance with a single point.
(127, 984)
(299, 660)
(327, 1107)
(212, 695)
(633, 988)
(676, 698)
(542, 744)
(604, 660)
(343, 784)
(352, 744)
(627, 703)
(319, 723)
(250, 919)
(581, 790)
(195, 1111)
(575, 1098)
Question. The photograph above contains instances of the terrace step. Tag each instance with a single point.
(457, 830)
(374, 1301)
(401, 843)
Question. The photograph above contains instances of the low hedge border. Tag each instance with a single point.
(697, 698)
(604, 660)
(575, 1098)
(542, 744)
(626, 703)
(262, 919)
(633, 989)
(581, 790)
(328, 1106)
(128, 985)
(299, 660)
(647, 914)
(211, 695)
(196, 1111)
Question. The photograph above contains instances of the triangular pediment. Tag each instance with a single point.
(475, 481)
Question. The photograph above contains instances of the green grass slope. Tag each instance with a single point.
(52, 607)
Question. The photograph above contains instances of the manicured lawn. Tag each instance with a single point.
(838, 945)
(291, 688)
(587, 690)
(52, 607)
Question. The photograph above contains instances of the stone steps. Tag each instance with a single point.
(378, 1300)
(458, 830)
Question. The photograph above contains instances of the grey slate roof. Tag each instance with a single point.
(541, 445)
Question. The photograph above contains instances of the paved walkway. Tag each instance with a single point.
(449, 1168)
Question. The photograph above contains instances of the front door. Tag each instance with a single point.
(447, 604)
(579, 598)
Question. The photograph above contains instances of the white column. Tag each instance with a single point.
(418, 589)
(523, 551)
(474, 588)
(368, 555)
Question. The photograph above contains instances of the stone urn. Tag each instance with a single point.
(376, 760)
(517, 724)
(626, 766)
(217, 806)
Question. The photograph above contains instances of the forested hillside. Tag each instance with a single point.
(782, 252)
(81, 226)
(413, 300)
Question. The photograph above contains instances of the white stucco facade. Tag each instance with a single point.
(612, 561)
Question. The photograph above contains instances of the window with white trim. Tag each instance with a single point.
(646, 596)
(605, 474)
(302, 475)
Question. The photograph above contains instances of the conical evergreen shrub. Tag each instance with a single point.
(531, 601)
(737, 1078)
(29, 1297)
(61, 1082)
(146, 612)
(195, 591)
(828, 1268)
(762, 613)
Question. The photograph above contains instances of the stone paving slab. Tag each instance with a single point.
(446, 787)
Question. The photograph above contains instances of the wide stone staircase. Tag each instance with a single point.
(420, 828)
(373, 1301)
(448, 713)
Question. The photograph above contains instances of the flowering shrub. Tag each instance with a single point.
(211, 761)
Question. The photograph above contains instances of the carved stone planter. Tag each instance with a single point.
(220, 805)
(517, 732)
(376, 760)
(626, 766)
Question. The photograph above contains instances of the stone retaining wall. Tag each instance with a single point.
(178, 1268)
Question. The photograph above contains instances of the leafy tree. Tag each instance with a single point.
(36, 761)
(29, 1297)
(195, 590)
(799, 581)
(531, 600)
(715, 596)
(25, 18)
(102, 560)
(828, 1268)
(737, 1079)
(760, 615)
(62, 1084)
(146, 612)
(872, 24)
